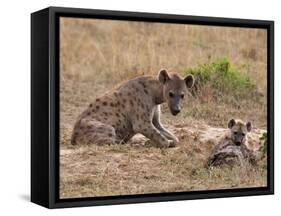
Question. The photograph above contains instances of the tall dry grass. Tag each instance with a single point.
(115, 50)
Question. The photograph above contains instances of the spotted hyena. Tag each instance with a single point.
(131, 108)
(233, 147)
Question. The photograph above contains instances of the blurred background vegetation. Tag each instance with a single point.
(229, 65)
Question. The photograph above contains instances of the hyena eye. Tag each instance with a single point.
(171, 94)
(235, 133)
(182, 96)
(243, 134)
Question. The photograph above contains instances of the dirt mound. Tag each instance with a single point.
(207, 136)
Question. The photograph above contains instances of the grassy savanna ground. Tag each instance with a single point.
(97, 55)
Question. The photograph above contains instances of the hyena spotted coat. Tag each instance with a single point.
(131, 108)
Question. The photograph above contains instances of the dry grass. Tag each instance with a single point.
(137, 168)
(133, 169)
(98, 54)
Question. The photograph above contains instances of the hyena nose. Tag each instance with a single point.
(238, 143)
(176, 111)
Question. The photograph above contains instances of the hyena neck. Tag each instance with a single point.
(158, 92)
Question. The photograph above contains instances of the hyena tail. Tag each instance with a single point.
(76, 132)
(73, 138)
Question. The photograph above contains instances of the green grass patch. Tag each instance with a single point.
(263, 140)
(220, 78)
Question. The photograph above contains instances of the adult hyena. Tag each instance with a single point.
(131, 108)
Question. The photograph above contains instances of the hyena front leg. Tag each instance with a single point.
(156, 122)
(152, 133)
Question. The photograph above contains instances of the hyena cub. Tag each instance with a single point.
(131, 108)
(233, 148)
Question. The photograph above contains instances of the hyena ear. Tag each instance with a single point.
(163, 76)
(189, 81)
(231, 123)
(249, 126)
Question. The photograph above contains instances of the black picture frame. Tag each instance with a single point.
(45, 106)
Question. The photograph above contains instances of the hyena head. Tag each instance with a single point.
(239, 130)
(174, 89)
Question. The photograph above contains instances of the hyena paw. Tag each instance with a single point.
(172, 143)
(176, 140)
